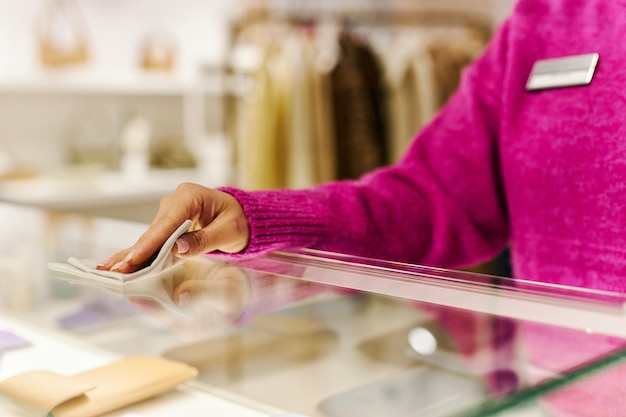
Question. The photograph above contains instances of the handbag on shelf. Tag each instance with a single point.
(158, 52)
(62, 34)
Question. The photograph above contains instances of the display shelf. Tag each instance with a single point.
(109, 188)
(106, 194)
(85, 84)
(315, 333)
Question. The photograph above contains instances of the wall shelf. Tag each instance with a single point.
(81, 84)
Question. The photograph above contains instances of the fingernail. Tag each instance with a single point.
(117, 266)
(183, 299)
(130, 255)
(104, 262)
(182, 246)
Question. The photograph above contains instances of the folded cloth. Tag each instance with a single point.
(87, 268)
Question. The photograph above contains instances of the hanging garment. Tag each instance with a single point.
(411, 90)
(286, 128)
(300, 146)
(449, 57)
(265, 153)
(261, 142)
(311, 157)
(358, 109)
(323, 63)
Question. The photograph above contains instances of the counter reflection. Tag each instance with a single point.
(249, 331)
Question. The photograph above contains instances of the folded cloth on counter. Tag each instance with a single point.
(87, 268)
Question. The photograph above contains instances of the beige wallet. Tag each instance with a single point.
(97, 391)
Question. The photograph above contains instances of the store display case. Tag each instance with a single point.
(309, 333)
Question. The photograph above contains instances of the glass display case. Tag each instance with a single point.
(309, 333)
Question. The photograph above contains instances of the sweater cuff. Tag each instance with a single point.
(281, 219)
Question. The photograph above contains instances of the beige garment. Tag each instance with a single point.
(423, 67)
(401, 104)
(427, 91)
(449, 57)
(261, 145)
(246, 64)
(323, 129)
(300, 152)
(251, 125)
(268, 154)
(311, 156)
(411, 88)
(285, 128)
(264, 112)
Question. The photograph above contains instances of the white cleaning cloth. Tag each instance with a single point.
(86, 269)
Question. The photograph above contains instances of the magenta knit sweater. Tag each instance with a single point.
(544, 171)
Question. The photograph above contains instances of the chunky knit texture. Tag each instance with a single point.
(544, 172)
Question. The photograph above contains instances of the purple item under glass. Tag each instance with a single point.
(11, 341)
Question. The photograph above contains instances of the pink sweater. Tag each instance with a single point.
(544, 172)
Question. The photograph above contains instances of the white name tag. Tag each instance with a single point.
(563, 72)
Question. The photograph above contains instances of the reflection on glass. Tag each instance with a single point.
(310, 336)
(422, 341)
(213, 294)
(195, 298)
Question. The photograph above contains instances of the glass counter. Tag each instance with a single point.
(310, 333)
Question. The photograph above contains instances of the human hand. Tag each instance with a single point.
(219, 223)
(196, 299)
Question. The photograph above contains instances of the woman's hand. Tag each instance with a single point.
(207, 296)
(219, 224)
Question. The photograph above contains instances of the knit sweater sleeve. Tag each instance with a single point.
(442, 204)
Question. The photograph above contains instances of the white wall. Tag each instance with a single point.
(116, 27)
(115, 30)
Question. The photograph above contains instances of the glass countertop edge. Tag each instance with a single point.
(495, 407)
(402, 271)
(589, 310)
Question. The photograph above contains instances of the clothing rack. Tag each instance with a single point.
(340, 91)
(481, 23)
(423, 18)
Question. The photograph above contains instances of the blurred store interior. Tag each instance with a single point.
(105, 106)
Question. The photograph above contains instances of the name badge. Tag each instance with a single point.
(569, 71)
